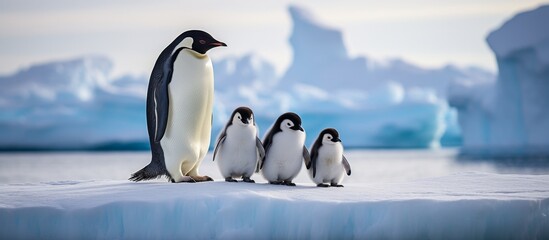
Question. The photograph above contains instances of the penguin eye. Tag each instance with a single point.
(202, 42)
(288, 124)
(238, 117)
(329, 137)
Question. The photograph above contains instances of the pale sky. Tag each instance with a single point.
(429, 33)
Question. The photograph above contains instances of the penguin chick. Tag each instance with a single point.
(328, 164)
(284, 150)
(238, 148)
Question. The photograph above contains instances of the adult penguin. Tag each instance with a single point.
(179, 109)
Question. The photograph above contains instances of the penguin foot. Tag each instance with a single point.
(248, 180)
(201, 178)
(289, 183)
(229, 179)
(276, 182)
(322, 185)
(184, 179)
(336, 185)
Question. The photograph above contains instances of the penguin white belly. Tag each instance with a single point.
(238, 154)
(187, 136)
(285, 156)
(329, 166)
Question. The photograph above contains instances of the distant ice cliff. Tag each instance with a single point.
(510, 118)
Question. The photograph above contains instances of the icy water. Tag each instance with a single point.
(376, 166)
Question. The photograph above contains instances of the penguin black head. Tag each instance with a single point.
(329, 136)
(199, 41)
(289, 120)
(243, 115)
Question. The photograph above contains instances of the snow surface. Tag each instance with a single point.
(390, 195)
(456, 206)
(510, 118)
(373, 104)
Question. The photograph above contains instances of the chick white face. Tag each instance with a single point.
(240, 120)
(289, 122)
(329, 139)
(289, 125)
(286, 125)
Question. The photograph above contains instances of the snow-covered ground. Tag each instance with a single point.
(407, 194)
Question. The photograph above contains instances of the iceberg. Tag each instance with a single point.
(395, 104)
(509, 117)
(72, 104)
(320, 58)
(380, 105)
(248, 70)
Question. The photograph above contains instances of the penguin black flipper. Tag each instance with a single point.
(260, 149)
(314, 154)
(261, 152)
(306, 157)
(314, 157)
(161, 97)
(346, 165)
(161, 106)
(220, 140)
(267, 142)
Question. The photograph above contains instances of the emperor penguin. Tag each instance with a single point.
(238, 148)
(179, 109)
(284, 150)
(328, 164)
